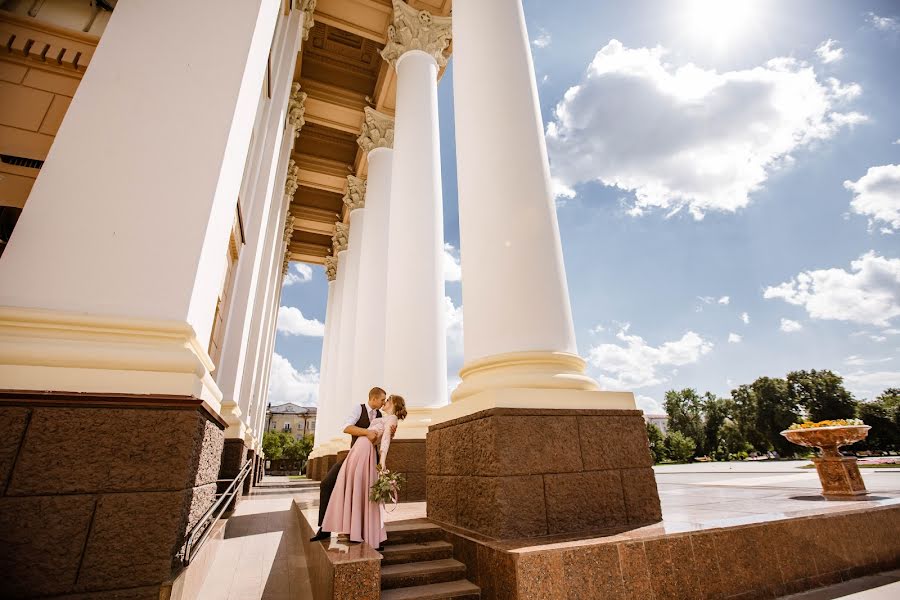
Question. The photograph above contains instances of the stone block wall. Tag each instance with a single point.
(513, 473)
(96, 494)
(408, 457)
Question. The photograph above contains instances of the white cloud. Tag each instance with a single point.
(542, 40)
(869, 384)
(734, 338)
(789, 326)
(858, 361)
(869, 293)
(635, 363)
(896, 142)
(292, 322)
(829, 51)
(598, 329)
(649, 405)
(453, 316)
(287, 384)
(745, 318)
(724, 300)
(877, 195)
(452, 269)
(688, 137)
(301, 273)
(884, 23)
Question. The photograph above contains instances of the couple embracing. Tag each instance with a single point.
(344, 505)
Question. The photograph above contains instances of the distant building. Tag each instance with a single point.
(660, 421)
(291, 418)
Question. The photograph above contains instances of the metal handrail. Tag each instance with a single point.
(200, 532)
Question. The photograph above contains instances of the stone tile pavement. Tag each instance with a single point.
(261, 557)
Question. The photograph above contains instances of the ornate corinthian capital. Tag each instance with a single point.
(356, 193)
(296, 109)
(331, 263)
(340, 238)
(377, 131)
(416, 30)
(286, 240)
(292, 180)
(308, 7)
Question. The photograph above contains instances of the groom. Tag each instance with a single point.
(356, 425)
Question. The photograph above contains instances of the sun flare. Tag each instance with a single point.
(718, 22)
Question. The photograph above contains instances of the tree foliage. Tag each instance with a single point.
(280, 444)
(821, 394)
(679, 447)
(657, 443)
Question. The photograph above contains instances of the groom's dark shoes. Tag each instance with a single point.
(321, 535)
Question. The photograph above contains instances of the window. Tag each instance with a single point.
(287, 427)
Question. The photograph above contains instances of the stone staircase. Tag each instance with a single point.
(418, 564)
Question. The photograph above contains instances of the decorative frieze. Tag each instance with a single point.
(292, 179)
(341, 236)
(296, 109)
(377, 131)
(417, 30)
(308, 7)
(331, 263)
(356, 193)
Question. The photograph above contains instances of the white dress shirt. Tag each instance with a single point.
(356, 412)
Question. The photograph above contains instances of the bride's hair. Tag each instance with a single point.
(399, 406)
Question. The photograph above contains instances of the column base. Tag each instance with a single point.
(234, 454)
(508, 473)
(408, 457)
(840, 477)
(101, 489)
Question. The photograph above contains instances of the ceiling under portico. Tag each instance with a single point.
(341, 70)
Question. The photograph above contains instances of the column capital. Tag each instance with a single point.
(356, 193)
(292, 179)
(296, 109)
(331, 263)
(286, 240)
(341, 237)
(377, 131)
(308, 7)
(414, 29)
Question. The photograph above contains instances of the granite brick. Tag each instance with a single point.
(134, 539)
(609, 442)
(635, 571)
(529, 445)
(126, 451)
(433, 453)
(441, 494)
(502, 507)
(413, 489)
(407, 456)
(541, 575)
(641, 496)
(13, 420)
(579, 502)
(41, 540)
(593, 572)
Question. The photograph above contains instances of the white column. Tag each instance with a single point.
(331, 424)
(518, 324)
(344, 351)
(324, 404)
(282, 118)
(415, 345)
(368, 362)
(131, 303)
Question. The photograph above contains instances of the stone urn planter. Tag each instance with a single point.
(838, 474)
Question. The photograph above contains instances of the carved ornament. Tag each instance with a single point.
(377, 131)
(356, 193)
(331, 263)
(292, 180)
(341, 236)
(417, 30)
(308, 7)
(296, 109)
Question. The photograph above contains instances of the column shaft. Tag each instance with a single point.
(368, 362)
(415, 345)
(333, 415)
(324, 405)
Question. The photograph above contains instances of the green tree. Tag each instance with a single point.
(657, 443)
(715, 412)
(821, 394)
(299, 449)
(776, 411)
(679, 447)
(685, 412)
(731, 442)
(274, 444)
(745, 413)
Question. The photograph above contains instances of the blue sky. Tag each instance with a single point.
(728, 194)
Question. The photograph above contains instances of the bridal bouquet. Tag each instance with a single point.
(387, 487)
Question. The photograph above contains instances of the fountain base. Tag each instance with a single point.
(840, 477)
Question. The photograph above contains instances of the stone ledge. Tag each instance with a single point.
(342, 572)
(761, 560)
(538, 412)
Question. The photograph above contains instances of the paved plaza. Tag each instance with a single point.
(262, 551)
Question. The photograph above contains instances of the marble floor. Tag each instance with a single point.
(262, 542)
(261, 555)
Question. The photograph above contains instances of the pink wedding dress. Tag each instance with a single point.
(350, 510)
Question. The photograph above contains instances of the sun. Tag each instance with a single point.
(718, 23)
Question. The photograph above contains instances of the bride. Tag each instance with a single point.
(350, 510)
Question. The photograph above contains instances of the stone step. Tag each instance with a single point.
(457, 590)
(410, 532)
(421, 573)
(405, 553)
